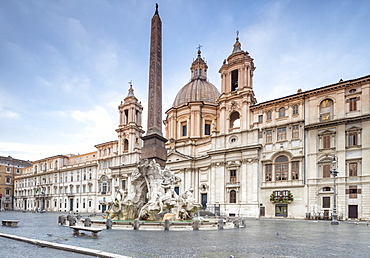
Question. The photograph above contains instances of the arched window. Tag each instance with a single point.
(326, 110)
(281, 168)
(125, 145)
(282, 112)
(234, 121)
(232, 196)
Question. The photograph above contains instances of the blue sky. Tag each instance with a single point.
(65, 65)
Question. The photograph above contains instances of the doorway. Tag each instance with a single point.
(281, 210)
(353, 211)
(262, 211)
(103, 208)
(71, 204)
(204, 201)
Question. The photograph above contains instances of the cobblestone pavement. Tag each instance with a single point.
(12, 248)
(261, 238)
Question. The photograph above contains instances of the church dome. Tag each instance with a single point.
(198, 89)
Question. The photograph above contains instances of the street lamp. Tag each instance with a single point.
(334, 172)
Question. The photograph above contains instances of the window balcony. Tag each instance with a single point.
(233, 184)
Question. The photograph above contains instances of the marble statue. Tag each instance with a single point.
(152, 196)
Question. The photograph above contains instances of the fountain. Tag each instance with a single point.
(153, 197)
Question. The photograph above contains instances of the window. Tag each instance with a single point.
(207, 128)
(232, 196)
(353, 191)
(184, 129)
(326, 202)
(326, 189)
(269, 115)
(7, 191)
(268, 172)
(352, 169)
(123, 184)
(84, 188)
(352, 139)
(125, 121)
(282, 112)
(295, 170)
(260, 135)
(295, 110)
(326, 141)
(281, 168)
(352, 104)
(8, 169)
(326, 110)
(269, 136)
(125, 145)
(104, 186)
(295, 132)
(234, 80)
(7, 180)
(326, 170)
(260, 118)
(232, 176)
(281, 134)
(234, 120)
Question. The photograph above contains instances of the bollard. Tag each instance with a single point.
(196, 224)
(72, 221)
(87, 222)
(63, 220)
(243, 222)
(136, 224)
(109, 224)
(166, 224)
(220, 224)
(236, 223)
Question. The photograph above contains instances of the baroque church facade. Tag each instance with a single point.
(240, 157)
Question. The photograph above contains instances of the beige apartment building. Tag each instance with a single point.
(9, 168)
(241, 157)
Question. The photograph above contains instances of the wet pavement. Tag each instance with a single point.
(261, 238)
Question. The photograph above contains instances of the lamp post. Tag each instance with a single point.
(334, 172)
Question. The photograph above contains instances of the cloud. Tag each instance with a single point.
(97, 125)
(4, 113)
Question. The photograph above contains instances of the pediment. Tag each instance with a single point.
(326, 132)
(354, 128)
(175, 156)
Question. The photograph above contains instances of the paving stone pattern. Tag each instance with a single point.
(261, 238)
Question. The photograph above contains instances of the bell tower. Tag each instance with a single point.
(236, 89)
(130, 129)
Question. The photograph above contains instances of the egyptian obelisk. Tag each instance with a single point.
(154, 142)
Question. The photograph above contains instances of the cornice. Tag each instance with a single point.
(349, 120)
